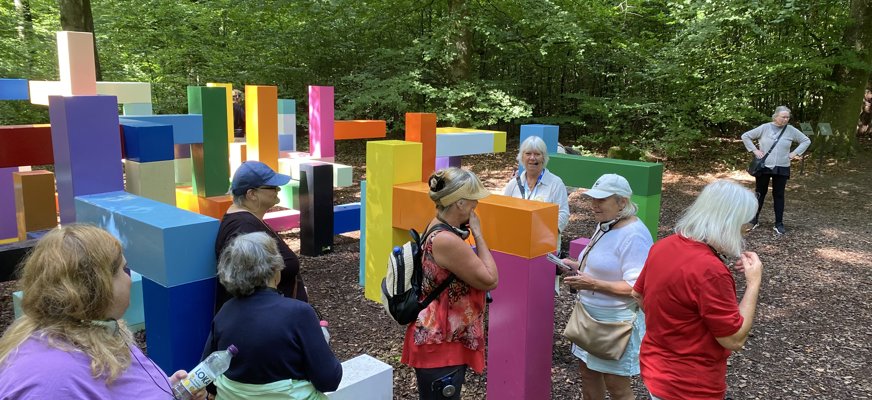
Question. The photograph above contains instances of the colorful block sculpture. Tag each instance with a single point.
(152, 180)
(346, 218)
(577, 246)
(8, 224)
(359, 129)
(228, 95)
(147, 142)
(238, 155)
(211, 168)
(261, 124)
(14, 89)
(137, 109)
(187, 128)
(215, 206)
(165, 244)
(316, 208)
(289, 195)
(445, 162)
(364, 378)
(548, 133)
(421, 128)
(390, 162)
(87, 148)
(645, 180)
(126, 92)
(25, 145)
(321, 141)
(34, 201)
(283, 220)
(76, 63)
(499, 137)
(287, 124)
(462, 144)
(362, 274)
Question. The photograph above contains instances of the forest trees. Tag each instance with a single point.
(660, 75)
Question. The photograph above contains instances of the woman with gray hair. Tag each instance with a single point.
(610, 264)
(282, 350)
(689, 296)
(536, 182)
(776, 137)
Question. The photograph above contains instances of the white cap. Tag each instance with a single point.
(608, 185)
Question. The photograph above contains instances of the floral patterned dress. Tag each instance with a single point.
(450, 331)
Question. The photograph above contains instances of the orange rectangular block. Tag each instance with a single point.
(262, 124)
(35, 208)
(359, 129)
(215, 206)
(415, 208)
(421, 128)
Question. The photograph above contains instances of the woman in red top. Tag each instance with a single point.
(689, 296)
(448, 335)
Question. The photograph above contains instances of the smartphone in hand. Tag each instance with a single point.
(558, 262)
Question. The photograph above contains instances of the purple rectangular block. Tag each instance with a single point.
(321, 142)
(445, 162)
(87, 148)
(8, 225)
(577, 245)
(520, 329)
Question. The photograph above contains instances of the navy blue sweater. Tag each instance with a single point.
(278, 338)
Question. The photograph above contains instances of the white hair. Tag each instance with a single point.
(779, 110)
(534, 143)
(249, 262)
(630, 209)
(717, 215)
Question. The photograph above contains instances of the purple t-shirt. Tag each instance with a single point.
(39, 371)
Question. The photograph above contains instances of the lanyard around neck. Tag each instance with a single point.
(522, 186)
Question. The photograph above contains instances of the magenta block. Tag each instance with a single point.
(282, 220)
(321, 142)
(87, 148)
(445, 162)
(577, 245)
(8, 226)
(520, 329)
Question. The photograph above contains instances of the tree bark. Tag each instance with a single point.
(25, 32)
(843, 108)
(76, 16)
(461, 37)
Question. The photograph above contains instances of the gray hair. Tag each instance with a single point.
(717, 215)
(629, 210)
(779, 110)
(239, 198)
(534, 143)
(249, 262)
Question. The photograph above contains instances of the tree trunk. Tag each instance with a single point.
(843, 108)
(76, 16)
(25, 32)
(461, 68)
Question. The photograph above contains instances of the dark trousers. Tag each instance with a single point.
(432, 381)
(779, 182)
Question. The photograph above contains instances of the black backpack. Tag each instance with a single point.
(401, 287)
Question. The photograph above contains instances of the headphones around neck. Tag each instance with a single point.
(608, 225)
(459, 231)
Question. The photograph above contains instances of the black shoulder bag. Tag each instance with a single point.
(757, 165)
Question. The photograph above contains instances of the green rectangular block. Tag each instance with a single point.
(211, 165)
(289, 196)
(342, 175)
(645, 178)
(649, 212)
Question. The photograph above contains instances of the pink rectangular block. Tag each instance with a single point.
(577, 245)
(520, 329)
(321, 142)
(282, 220)
(76, 63)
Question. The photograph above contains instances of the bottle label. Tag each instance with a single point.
(197, 379)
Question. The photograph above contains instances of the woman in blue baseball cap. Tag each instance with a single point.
(255, 189)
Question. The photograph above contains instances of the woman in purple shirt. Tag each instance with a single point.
(70, 343)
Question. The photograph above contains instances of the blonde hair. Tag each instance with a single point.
(717, 215)
(448, 185)
(67, 284)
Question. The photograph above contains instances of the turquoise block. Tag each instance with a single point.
(187, 128)
(464, 144)
(346, 218)
(342, 175)
(16, 303)
(179, 319)
(138, 109)
(361, 281)
(165, 244)
(135, 314)
(548, 133)
(287, 106)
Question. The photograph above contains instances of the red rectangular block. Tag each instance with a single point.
(359, 129)
(22, 145)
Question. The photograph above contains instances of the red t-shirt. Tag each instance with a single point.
(689, 298)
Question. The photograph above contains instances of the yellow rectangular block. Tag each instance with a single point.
(215, 206)
(389, 162)
(153, 180)
(35, 208)
(262, 124)
(76, 63)
(228, 88)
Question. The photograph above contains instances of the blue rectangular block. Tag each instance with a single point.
(178, 320)
(287, 106)
(147, 142)
(346, 218)
(548, 133)
(87, 148)
(166, 244)
(187, 128)
(362, 276)
(135, 314)
(14, 89)
(8, 223)
(287, 142)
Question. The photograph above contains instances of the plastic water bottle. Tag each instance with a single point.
(324, 326)
(204, 373)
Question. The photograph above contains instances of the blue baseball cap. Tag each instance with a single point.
(254, 174)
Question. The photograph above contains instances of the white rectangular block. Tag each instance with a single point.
(127, 92)
(183, 167)
(365, 378)
(40, 90)
(153, 180)
(464, 144)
